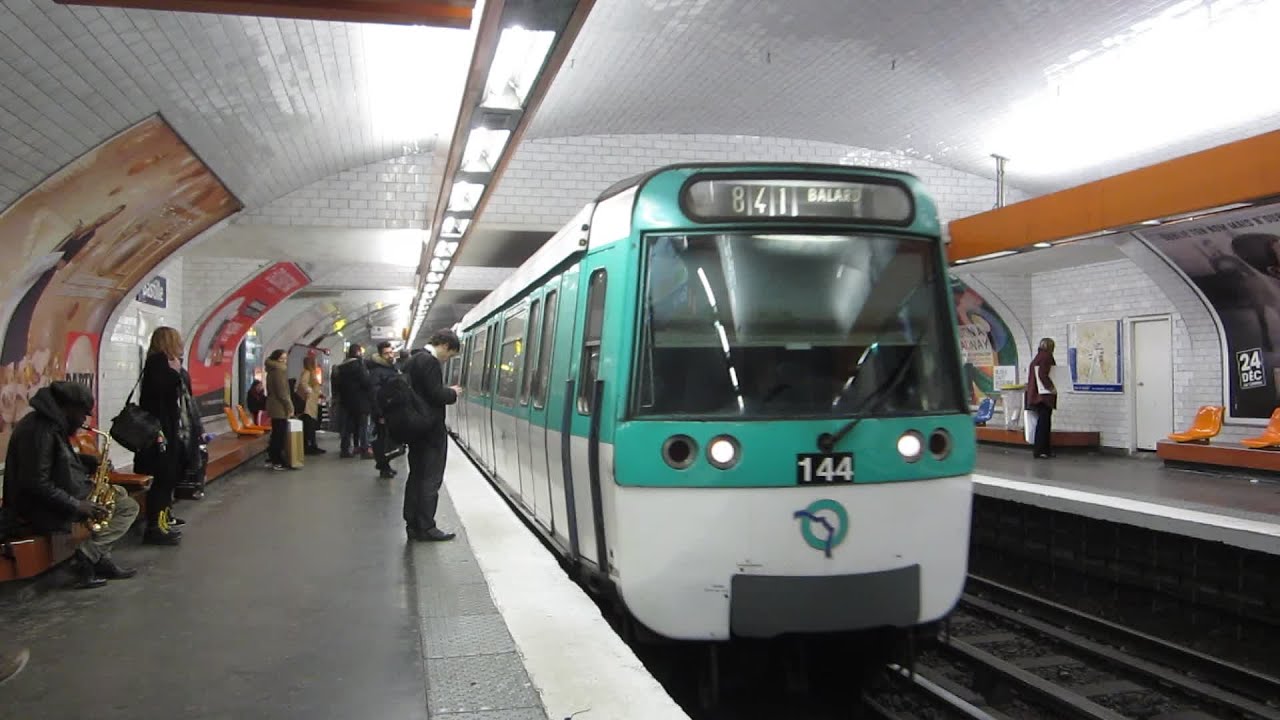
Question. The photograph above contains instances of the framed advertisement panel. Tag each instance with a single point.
(1095, 356)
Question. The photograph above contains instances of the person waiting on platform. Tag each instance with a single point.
(353, 387)
(47, 483)
(1042, 397)
(256, 400)
(427, 454)
(279, 407)
(311, 391)
(382, 367)
(165, 392)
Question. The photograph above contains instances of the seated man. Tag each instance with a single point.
(46, 482)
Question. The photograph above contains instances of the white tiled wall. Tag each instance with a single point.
(119, 357)
(396, 193)
(1140, 285)
(549, 180)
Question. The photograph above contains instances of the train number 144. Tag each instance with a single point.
(824, 469)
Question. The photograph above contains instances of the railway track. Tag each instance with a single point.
(1004, 647)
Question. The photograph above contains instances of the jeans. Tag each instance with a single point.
(1044, 429)
(98, 546)
(279, 437)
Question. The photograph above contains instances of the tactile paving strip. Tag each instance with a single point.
(441, 600)
(461, 636)
(481, 682)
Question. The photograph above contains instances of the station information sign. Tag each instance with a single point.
(730, 199)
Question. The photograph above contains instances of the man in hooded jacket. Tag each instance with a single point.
(47, 483)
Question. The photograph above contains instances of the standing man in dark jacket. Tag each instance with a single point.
(354, 390)
(427, 454)
(46, 482)
(382, 367)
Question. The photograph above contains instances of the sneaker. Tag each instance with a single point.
(12, 664)
(279, 466)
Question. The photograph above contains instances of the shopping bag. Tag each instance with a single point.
(1029, 420)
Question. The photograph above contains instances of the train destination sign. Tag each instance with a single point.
(740, 198)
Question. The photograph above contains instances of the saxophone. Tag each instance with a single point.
(102, 493)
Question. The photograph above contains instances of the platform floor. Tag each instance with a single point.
(1143, 477)
(1240, 509)
(294, 595)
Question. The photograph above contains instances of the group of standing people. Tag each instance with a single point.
(281, 399)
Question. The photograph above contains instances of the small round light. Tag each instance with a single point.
(910, 445)
(940, 444)
(723, 452)
(679, 451)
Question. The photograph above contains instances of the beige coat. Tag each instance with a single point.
(279, 401)
(309, 389)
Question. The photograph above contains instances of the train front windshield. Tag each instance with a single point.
(796, 325)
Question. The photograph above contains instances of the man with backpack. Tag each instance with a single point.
(413, 407)
(382, 368)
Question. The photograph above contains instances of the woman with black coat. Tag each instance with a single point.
(166, 393)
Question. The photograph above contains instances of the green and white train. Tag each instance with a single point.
(731, 393)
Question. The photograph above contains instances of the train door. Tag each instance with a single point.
(587, 349)
(542, 329)
(458, 413)
(490, 369)
(557, 396)
(524, 454)
(506, 423)
(476, 412)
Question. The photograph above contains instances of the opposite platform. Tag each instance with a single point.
(1208, 505)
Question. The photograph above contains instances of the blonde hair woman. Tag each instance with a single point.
(310, 390)
(165, 392)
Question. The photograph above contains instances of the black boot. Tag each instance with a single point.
(86, 573)
(107, 568)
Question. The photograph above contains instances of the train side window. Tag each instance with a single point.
(486, 383)
(546, 350)
(511, 357)
(476, 368)
(464, 361)
(590, 368)
(531, 350)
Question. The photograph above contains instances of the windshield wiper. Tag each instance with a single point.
(827, 442)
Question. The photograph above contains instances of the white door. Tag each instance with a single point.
(1153, 382)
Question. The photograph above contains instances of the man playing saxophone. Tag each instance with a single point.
(47, 484)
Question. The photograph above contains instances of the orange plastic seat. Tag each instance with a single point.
(1208, 424)
(237, 428)
(1269, 438)
(248, 422)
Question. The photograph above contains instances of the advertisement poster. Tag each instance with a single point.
(77, 243)
(1094, 356)
(213, 346)
(1233, 258)
(985, 343)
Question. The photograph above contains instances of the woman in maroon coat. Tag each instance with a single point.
(1042, 396)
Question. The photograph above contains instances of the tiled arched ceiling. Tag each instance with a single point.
(928, 78)
(270, 105)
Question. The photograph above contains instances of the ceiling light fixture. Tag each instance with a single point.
(515, 67)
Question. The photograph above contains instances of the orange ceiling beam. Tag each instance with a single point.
(1241, 171)
(437, 13)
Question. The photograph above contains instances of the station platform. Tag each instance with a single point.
(1217, 505)
(296, 595)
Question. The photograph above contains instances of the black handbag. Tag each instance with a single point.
(134, 428)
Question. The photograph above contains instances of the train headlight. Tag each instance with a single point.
(940, 444)
(679, 451)
(910, 445)
(723, 451)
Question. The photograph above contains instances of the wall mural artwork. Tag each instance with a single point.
(76, 245)
(985, 342)
(213, 346)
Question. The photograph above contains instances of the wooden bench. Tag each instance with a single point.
(1058, 438)
(1219, 454)
(27, 557)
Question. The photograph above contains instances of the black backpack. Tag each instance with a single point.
(405, 415)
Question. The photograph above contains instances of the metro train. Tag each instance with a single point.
(730, 395)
